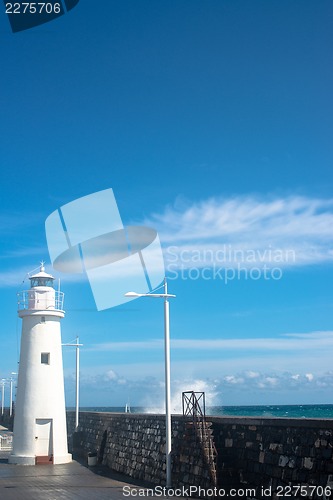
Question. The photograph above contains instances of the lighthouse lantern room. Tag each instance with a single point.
(40, 434)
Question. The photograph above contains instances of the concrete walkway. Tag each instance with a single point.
(69, 481)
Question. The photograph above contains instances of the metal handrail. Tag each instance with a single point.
(34, 300)
(191, 407)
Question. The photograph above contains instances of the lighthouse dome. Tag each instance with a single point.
(41, 295)
(42, 278)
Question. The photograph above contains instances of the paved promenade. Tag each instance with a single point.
(59, 482)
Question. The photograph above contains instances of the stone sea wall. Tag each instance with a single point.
(275, 454)
(267, 455)
(134, 444)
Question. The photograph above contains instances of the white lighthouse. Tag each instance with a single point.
(40, 434)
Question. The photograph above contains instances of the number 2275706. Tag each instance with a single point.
(33, 8)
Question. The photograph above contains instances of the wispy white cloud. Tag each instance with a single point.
(111, 388)
(289, 231)
(11, 222)
(14, 277)
(129, 345)
(227, 232)
(17, 276)
(286, 342)
(277, 381)
(247, 230)
(25, 251)
(248, 215)
(265, 367)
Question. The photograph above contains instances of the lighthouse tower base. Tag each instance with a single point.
(13, 459)
(40, 435)
(39, 440)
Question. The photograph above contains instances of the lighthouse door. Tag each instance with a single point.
(44, 441)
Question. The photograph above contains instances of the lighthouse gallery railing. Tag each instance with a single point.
(40, 300)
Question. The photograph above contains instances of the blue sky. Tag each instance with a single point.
(212, 123)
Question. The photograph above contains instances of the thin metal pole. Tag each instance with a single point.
(11, 397)
(77, 384)
(2, 397)
(167, 387)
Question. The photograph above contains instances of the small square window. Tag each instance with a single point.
(42, 320)
(45, 358)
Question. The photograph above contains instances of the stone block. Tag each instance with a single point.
(283, 460)
(327, 453)
(196, 470)
(278, 447)
(307, 463)
(330, 481)
(329, 467)
(253, 455)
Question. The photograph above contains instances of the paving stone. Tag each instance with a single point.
(72, 481)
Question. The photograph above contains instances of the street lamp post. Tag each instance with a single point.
(165, 296)
(2, 396)
(77, 382)
(11, 394)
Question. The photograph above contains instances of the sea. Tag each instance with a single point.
(283, 411)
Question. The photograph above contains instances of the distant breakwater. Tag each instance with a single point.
(264, 454)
